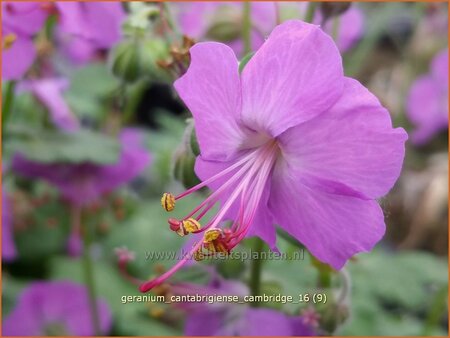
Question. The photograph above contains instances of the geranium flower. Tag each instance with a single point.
(291, 141)
(20, 22)
(50, 92)
(84, 183)
(9, 251)
(427, 102)
(55, 308)
(212, 20)
(350, 27)
(231, 319)
(224, 19)
(86, 28)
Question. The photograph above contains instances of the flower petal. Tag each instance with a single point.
(439, 68)
(265, 322)
(426, 108)
(296, 75)
(18, 58)
(351, 149)
(211, 90)
(50, 93)
(332, 227)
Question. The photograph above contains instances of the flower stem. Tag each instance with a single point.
(88, 270)
(335, 29)
(255, 274)
(8, 102)
(311, 10)
(247, 27)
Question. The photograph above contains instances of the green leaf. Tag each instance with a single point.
(93, 80)
(54, 146)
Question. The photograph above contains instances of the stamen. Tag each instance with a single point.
(8, 41)
(251, 174)
(168, 201)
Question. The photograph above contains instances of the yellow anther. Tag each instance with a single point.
(209, 246)
(168, 201)
(8, 41)
(198, 255)
(190, 225)
(211, 235)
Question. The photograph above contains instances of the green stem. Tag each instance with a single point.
(8, 102)
(88, 269)
(256, 268)
(335, 29)
(311, 10)
(247, 27)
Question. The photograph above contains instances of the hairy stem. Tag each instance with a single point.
(311, 10)
(247, 27)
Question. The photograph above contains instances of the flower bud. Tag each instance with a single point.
(133, 59)
(332, 9)
(184, 168)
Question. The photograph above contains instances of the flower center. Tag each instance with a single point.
(246, 179)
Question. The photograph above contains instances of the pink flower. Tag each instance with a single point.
(291, 141)
(20, 21)
(86, 27)
(427, 103)
(197, 19)
(59, 308)
(50, 93)
(83, 183)
(9, 251)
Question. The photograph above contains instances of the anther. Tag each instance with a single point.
(8, 41)
(168, 201)
(190, 225)
(174, 224)
(212, 235)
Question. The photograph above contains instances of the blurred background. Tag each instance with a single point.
(93, 133)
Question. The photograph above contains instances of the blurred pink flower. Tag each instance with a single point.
(84, 183)
(197, 18)
(87, 27)
(58, 308)
(9, 252)
(232, 319)
(20, 22)
(350, 27)
(291, 143)
(427, 102)
(50, 92)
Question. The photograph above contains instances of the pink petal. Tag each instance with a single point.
(105, 20)
(211, 90)
(350, 30)
(26, 18)
(50, 93)
(351, 149)
(426, 107)
(17, 59)
(439, 68)
(296, 75)
(332, 227)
